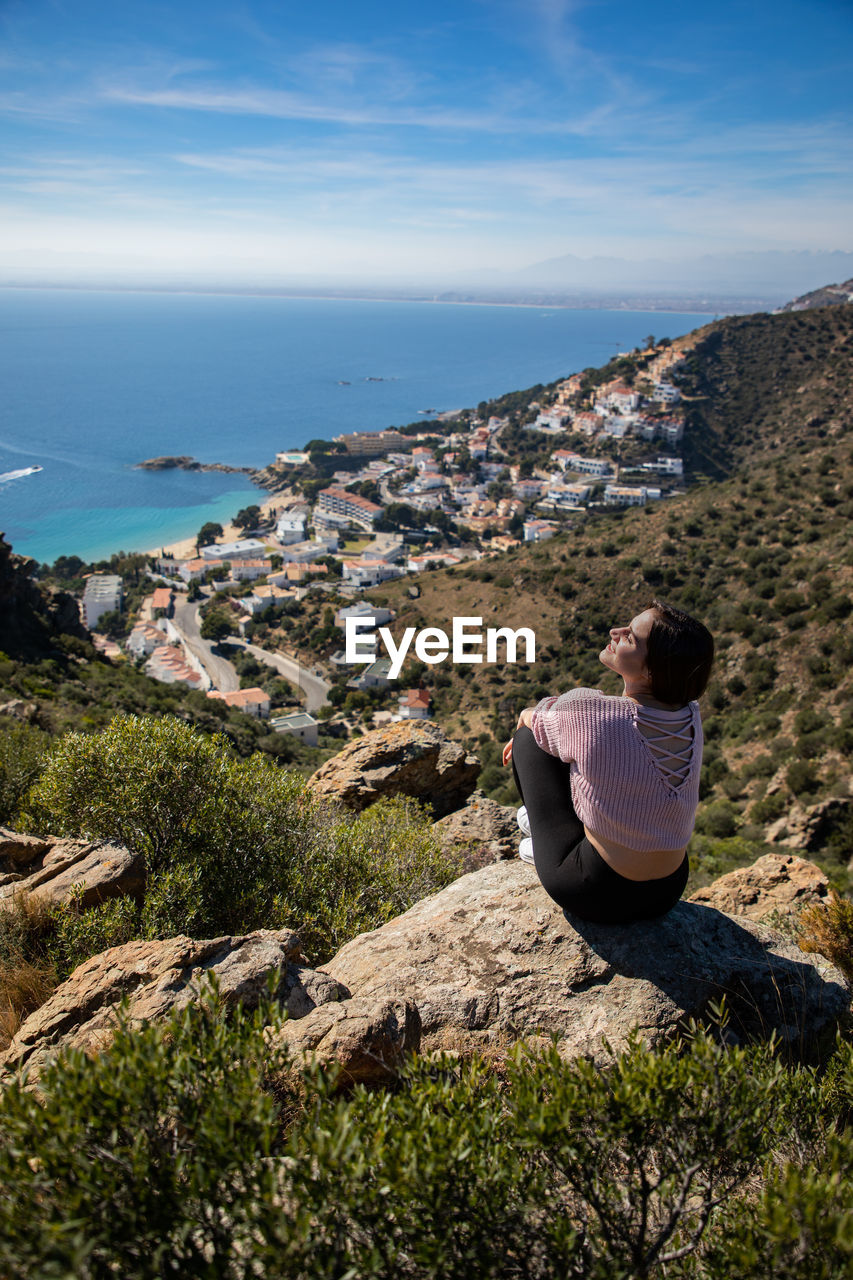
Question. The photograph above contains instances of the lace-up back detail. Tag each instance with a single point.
(670, 737)
(635, 769)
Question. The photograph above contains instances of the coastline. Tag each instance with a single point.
(184, 548)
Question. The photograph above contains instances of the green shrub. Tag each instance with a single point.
(231, 845)
(22, 751)
(802, 778)
(718, 819)
(149, 1160)
(190, 1148)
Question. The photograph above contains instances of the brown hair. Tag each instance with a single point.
(679, 654)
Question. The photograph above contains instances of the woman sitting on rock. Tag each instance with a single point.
(610, 785)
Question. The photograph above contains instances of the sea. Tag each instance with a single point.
(92, 383)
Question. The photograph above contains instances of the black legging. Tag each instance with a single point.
(572, 871)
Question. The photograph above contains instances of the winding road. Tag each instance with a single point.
(222, 673)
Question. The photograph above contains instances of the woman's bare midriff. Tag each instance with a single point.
(634, 865)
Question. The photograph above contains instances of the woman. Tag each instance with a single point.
(610, 785)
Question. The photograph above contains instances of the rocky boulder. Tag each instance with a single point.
(483, 831)
(410, 758)
(84, 871)
(779, 884)
(368, 1039)
(807, 829)
(159, 977)
(492, 957)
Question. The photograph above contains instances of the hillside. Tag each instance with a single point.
(762, 555)
(757, 388)
(831, 295)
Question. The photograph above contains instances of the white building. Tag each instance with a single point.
(671, 430)
(666, 393)
(249, 570)
(144, 639)
(103, 594)
(414, 705)
(665, 466)
(252, 702)
(290, 527)
(306, 552)
(243, 549)
(538, 530)
(340, 504)
(589, 466)
(363, 611)
(300, 724)
(369, 571)
(569, 495)
(551, 420)
(168, 664)
(623, 495)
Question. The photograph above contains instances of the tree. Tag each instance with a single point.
(207, 534)
(248, 517)
(217, 623)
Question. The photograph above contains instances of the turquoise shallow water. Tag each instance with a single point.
(92, 383)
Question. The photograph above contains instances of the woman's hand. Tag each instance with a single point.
(526, 720)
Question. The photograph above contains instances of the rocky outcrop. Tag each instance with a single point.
(779, 884)
(411, 758)
(30, 618)
(492, 956)
(483, 831)
(490, 959)
(367, 1039)
(83, 871)
(808, 829)
(26, 712)
(159, 977)
(183, 462)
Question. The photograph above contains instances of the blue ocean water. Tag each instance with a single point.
(92, 383)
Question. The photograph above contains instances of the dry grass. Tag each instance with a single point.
(24, 986)
(27, 976)
(827, 928)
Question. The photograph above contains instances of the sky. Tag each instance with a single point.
(357, 139)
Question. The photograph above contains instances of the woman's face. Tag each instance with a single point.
(626, 652)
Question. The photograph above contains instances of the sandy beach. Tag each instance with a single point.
(185, 549)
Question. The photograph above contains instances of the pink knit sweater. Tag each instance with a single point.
(620, 790)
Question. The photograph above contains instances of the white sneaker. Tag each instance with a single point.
(525, 851)
(523, 821)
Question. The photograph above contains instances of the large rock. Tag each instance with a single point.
(483, 831)
(779, 884)
(159, 977)
(411, 758)
(83, 871)
(368, 1039)
(492, 956)
(808, 829)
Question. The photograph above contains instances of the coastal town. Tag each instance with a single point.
(368, 507)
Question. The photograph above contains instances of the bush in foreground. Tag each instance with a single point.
(187, 1148)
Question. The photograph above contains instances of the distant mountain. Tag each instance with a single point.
(772, 275)
(831, 295)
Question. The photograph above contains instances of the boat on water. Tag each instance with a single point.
(20, 473)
